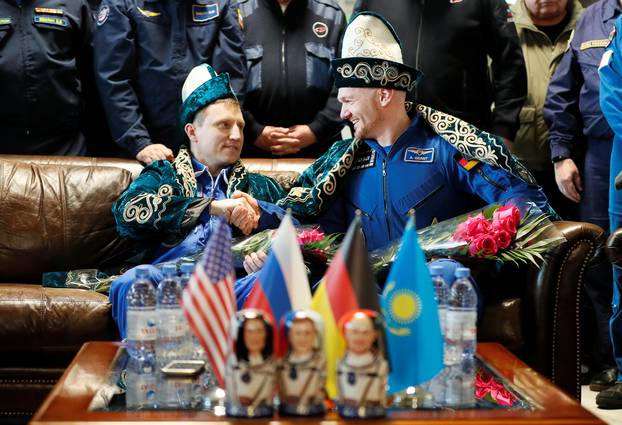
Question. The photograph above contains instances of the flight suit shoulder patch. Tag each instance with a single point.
(467, 164)
(51, 20)
(102, 15)
(419, 155)
(204, 12)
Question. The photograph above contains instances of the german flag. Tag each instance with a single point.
(347, 285)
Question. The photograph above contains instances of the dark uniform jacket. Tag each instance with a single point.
(288, 56)
(144, 50)
(449, 40)
(45, 55)
(571, 106)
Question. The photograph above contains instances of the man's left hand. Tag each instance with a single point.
(298, 137)
(246, 219)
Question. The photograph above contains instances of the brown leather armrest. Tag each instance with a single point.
(552, 313)
(614, 248)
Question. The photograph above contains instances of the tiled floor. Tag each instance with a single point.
(588, 400)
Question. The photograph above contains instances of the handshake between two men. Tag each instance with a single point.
(241, 210)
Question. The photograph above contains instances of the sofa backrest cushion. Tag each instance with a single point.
(57, 216)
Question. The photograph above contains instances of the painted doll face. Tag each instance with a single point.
(254, 336)
(360, 334)
(302, 336)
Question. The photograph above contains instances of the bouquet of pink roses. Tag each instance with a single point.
(518, 232)
(314, 244)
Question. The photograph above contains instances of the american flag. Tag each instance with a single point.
(208, 300)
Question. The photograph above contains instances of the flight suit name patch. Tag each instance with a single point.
(49, 11)
(594, 43)
(49, 20)
(419, 155)
(204, 12)
(366, 160)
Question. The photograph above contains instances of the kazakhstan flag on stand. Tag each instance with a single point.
(411, 317)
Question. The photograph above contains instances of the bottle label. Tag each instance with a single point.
(469, 329)
(141, 324)
(172, 323)
(460, 324)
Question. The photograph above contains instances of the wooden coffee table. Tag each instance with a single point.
(69, 400)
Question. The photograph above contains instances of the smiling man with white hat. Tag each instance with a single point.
(433, 163)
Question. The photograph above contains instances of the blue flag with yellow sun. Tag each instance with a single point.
(410, 311)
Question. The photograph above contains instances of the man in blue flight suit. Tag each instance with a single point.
(611, 102)
(171, 207)
(434, 164)
(405, 164)
(576, 124)
(45, 66)
(144, 49)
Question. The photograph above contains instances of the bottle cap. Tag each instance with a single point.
(436, 270)
(142, 271)
(186, 267)
(462, 272)
(169, 269)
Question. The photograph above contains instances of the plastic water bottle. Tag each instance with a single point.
(467, 397)
(464, 301)
(441, 290)
(171, 321)
(141, 316)
(194, 349)
(141, 384)
(461, 331)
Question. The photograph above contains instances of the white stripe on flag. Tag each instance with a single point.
(214, 319)
(287, 252)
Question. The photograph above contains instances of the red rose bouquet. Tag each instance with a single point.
(518, 232)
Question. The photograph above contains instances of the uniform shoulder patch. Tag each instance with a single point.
(102, 15)
(49, 11)
(467, 164)
(419, 155)
(5, 22)
(591, 44)
(320, 29)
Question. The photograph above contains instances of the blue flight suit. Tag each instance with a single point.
(611, 104)
(144, 50)
(420, 171)
(194, 242)
(573, 113)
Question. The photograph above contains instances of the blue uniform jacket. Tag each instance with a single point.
(571, 104)
(144, 49)
(611, 77)
(420, 171)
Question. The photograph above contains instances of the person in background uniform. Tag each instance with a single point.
(611, 103)
(45, 63)
(171, 207)
(580, 141)
(450, 42)
(544, 29)
(289, 107)
(144, 49)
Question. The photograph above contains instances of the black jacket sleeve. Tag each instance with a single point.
(509, 77)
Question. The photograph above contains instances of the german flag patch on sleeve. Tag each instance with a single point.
(467, 164)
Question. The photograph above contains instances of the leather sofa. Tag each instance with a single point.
(55, 215)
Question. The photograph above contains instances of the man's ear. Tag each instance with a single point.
(385, 96)
(190, 132)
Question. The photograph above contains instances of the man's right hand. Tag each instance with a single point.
(568, 179)
(237, 212)
(153, 153)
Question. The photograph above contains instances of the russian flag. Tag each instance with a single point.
(282, 284)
